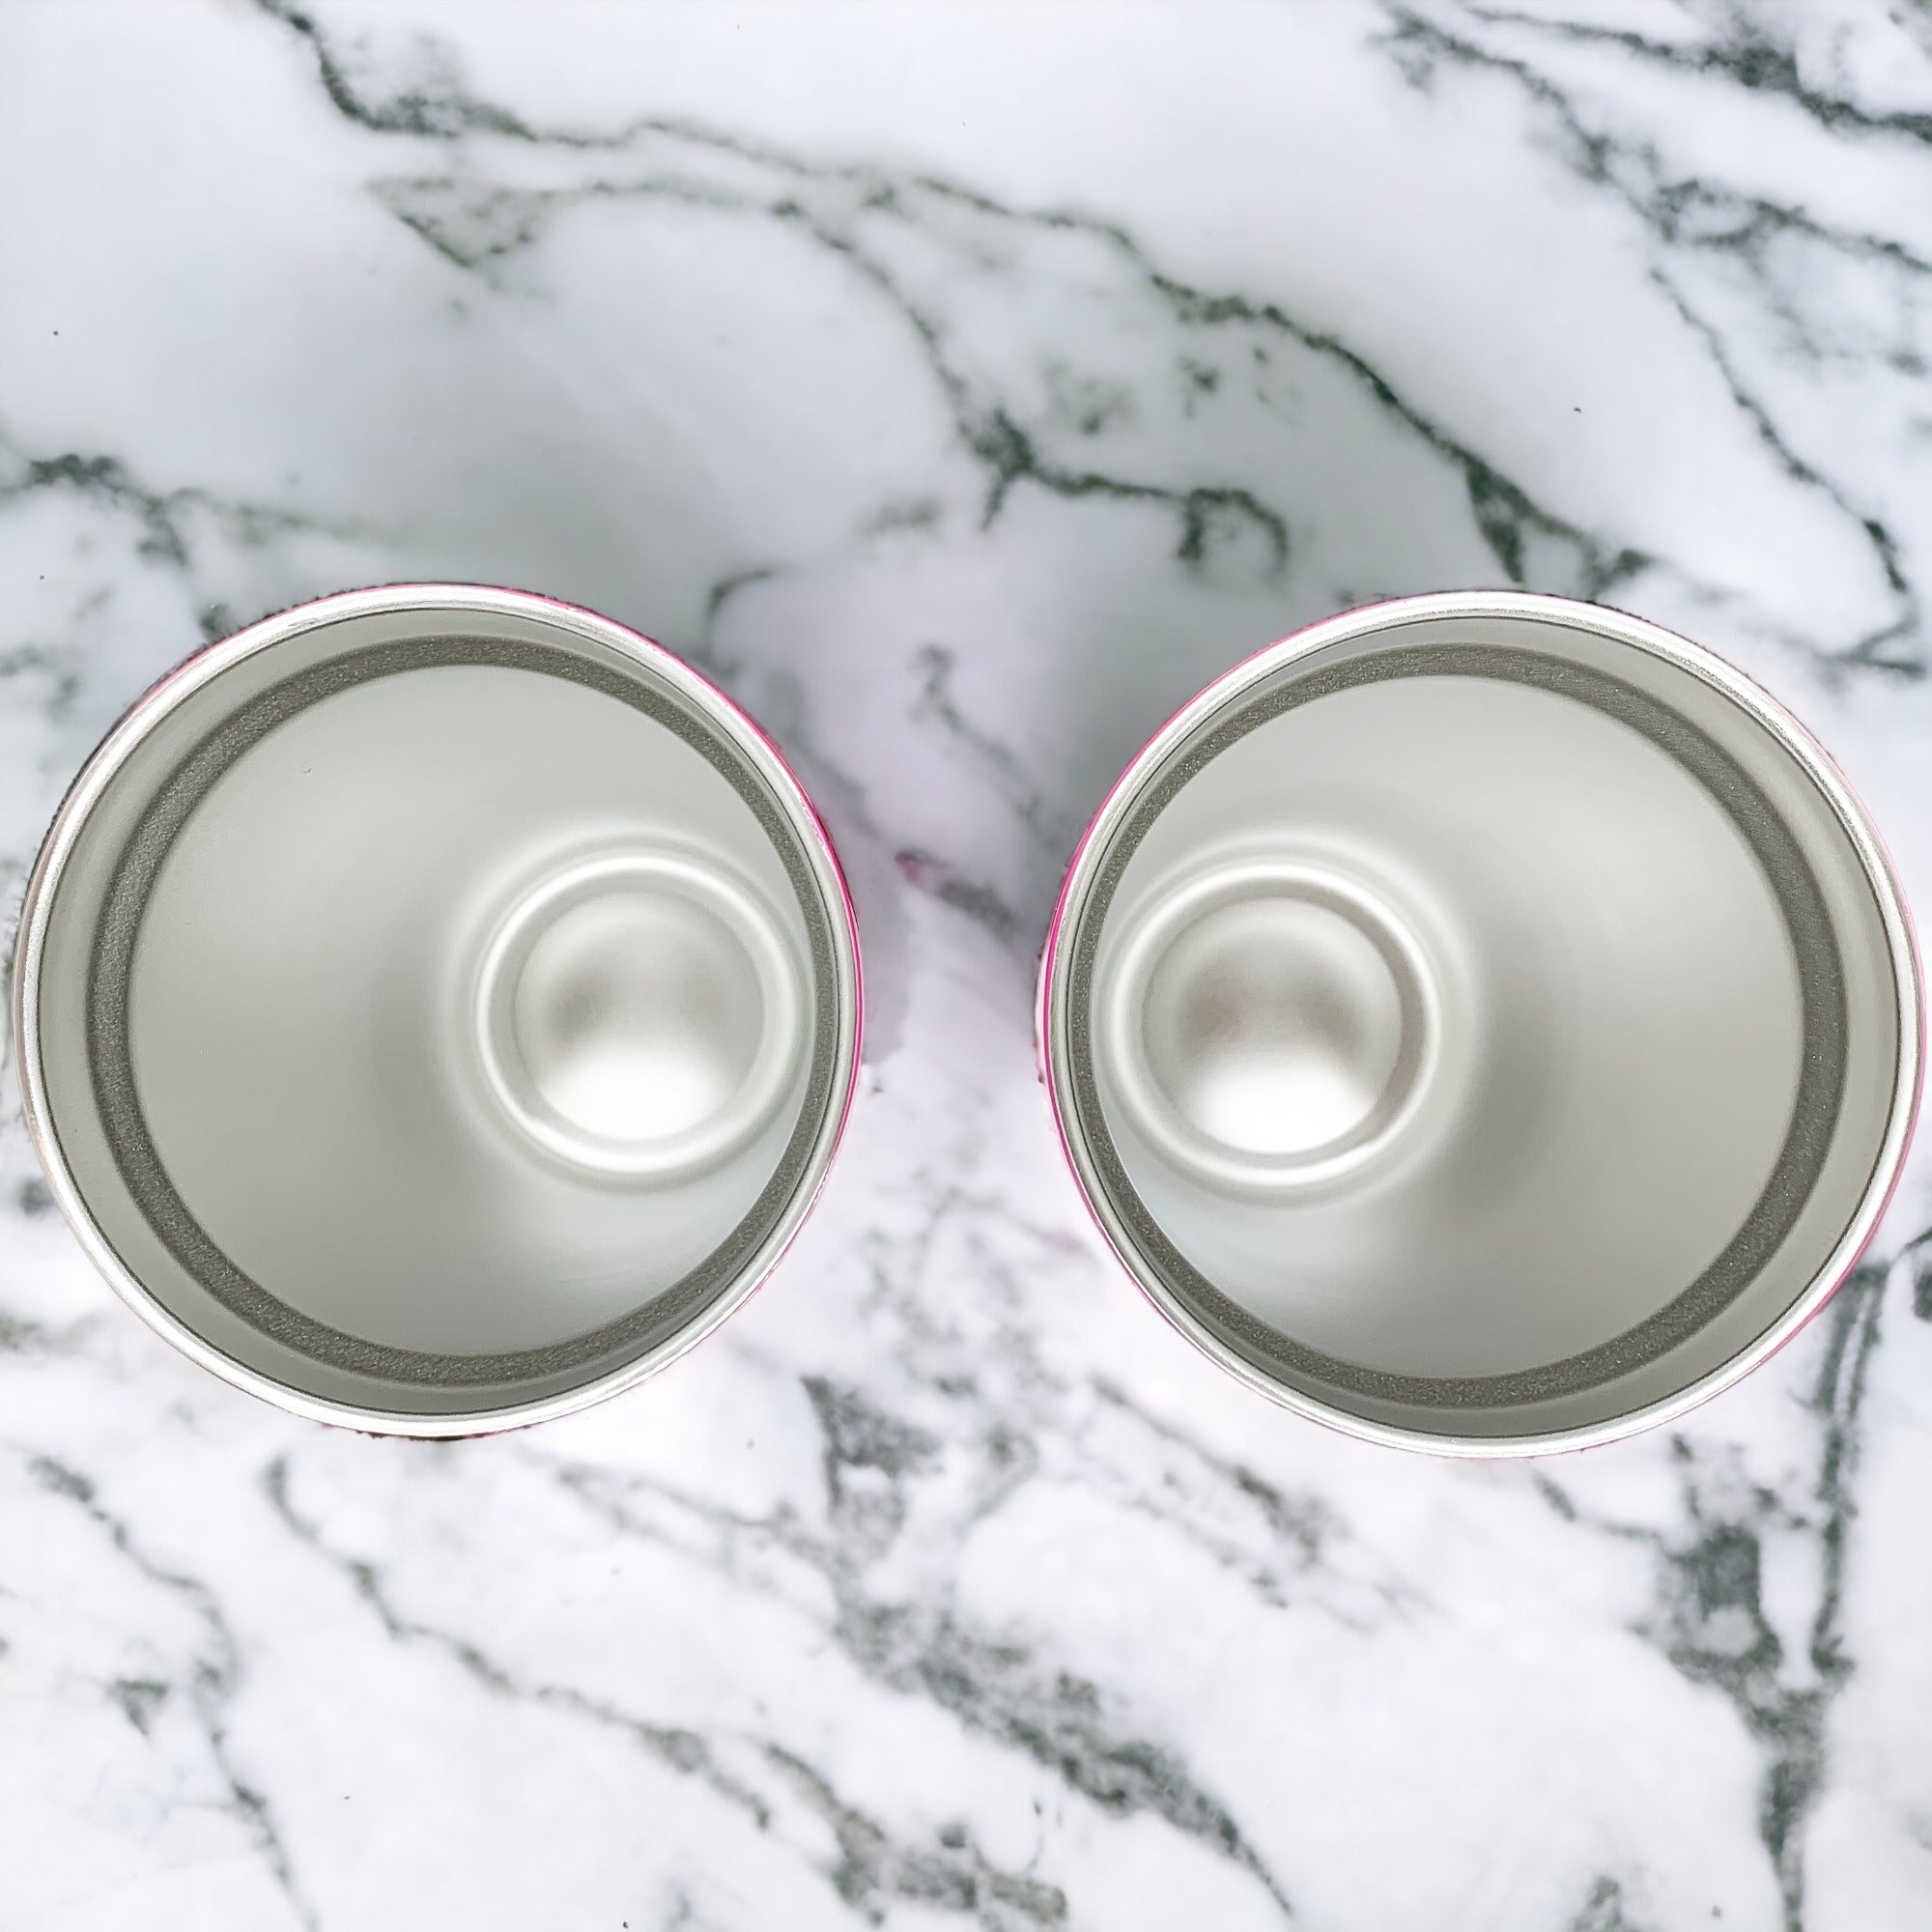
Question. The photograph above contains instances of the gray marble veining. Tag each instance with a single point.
(962, 386)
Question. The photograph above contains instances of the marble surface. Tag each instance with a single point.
(963, 386)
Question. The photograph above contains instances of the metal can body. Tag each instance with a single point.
(1483, 1022)
(437, 1008)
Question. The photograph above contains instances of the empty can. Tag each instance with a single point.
(437, 1008)
(1483, 1022)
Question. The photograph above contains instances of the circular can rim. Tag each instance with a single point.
(1618, 627)
(172, 689)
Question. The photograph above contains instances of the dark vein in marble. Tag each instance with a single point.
(998, 1688)
(162, 514)
(926, 872)
(216, 1678)
(1507, 517)
(1026, 1422)
(1914, 1256)
(21, 1335)
(474, 225)
(140, 1699)
(956, 1878)
(166, 521)
(936, 704)
(63, 680)
(1680, 211)
(1893, 646)
(1710, 1620)
(1603, 1911)
(916, 514)
(1301, 1526)
(867, 1457)
(1287, 1548)
(873, 1869)
(937, 877)
(446, 112)
(784, 723)
(436, 111)
(1751, 58)
(18, 1336)
(1054, 1716)
(680, 1749)
(482, 228)
(706, 652)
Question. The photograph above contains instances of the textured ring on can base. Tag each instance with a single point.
(1483, 1023)
(437, 1008)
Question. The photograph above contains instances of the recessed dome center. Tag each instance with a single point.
(637, 1014)
(1270, 1023)
(640, 1014)
(1272, 1026)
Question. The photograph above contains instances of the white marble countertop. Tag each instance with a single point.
(963, 386)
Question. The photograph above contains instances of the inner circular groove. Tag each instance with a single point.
(638, 1013)
(1272, 1024)
(1721, 1103)
(299, 1152)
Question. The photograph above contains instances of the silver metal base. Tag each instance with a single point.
(1483, 1022)
(638, 1013)
(438, 1008)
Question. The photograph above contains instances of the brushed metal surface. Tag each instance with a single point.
(442, 1008)
(1268, 1024)
(638, 1012)
(1483, 1022)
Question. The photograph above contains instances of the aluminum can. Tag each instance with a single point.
(437, 1006)
(1483, 1022)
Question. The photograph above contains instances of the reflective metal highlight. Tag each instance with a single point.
(437, 1008)
(1483, 1022)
